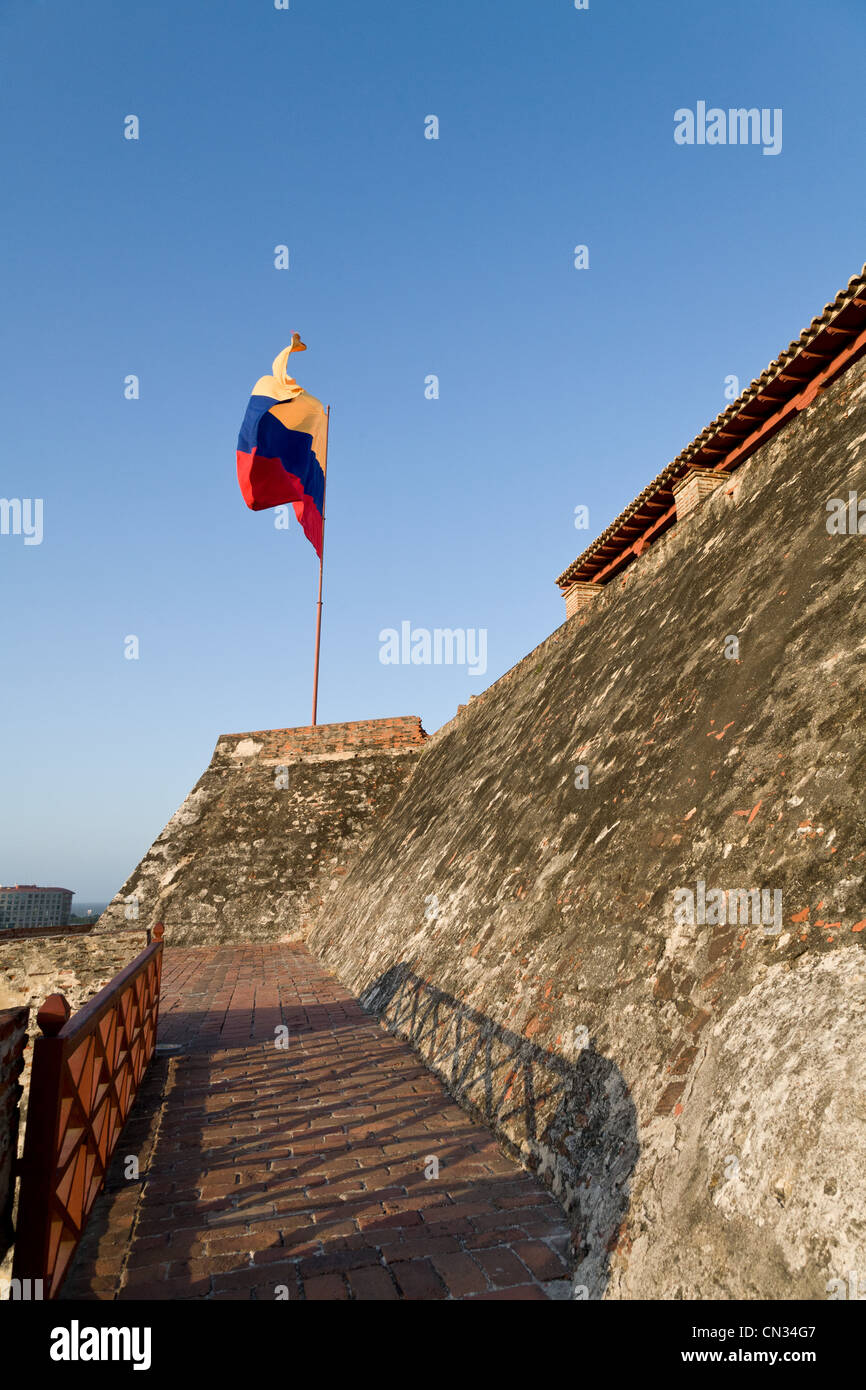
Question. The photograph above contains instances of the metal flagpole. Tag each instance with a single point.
(321, 568)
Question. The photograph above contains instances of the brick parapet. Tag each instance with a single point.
(691, 490)
(361, 737)
(30, 933)
(274, 821)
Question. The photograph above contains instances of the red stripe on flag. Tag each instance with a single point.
(264, 483)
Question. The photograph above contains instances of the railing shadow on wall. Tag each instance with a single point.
(572, 1122)
(87, 1070)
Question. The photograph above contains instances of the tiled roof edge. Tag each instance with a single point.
(823, 320)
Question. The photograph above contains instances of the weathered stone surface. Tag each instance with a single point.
(13, 1040)
(273, 819)
(502, 915)
(77, 965)
(770, 1148)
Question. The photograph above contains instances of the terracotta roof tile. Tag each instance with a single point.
(839, 324)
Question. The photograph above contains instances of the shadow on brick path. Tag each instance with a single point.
(573, 1121)
(307, 1171)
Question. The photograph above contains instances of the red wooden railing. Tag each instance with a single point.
(86, 1072)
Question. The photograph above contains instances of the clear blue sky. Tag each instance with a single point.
(408, 257)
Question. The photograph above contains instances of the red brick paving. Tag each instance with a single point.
(300, 1173)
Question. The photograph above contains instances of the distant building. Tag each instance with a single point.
(26, 905)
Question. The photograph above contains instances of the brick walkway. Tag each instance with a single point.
(300, 1172)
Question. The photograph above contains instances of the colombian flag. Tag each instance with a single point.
(281, 448)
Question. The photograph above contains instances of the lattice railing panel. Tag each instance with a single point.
(86, 1073)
